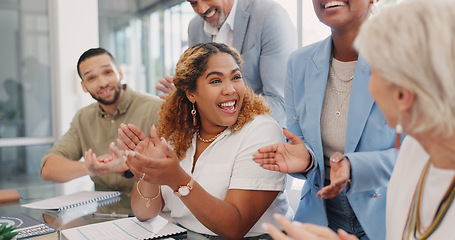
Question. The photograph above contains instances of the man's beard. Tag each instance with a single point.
(116, 96)
(219, 22)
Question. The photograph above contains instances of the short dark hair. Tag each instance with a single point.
(92, 52)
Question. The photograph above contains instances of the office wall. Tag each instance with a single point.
(74, 29)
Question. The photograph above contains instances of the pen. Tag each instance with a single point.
(112, 215)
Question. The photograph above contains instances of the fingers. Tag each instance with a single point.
(346, 236)
(261, 157)
(340, 169)
(133, 169)
(166, 149)
(292, 137)
(291, 228)
(337, 157)
(88, 160)
(140, 164)
(168, 82)
(125, 141)
(154, 136)
(297, 230)
(320, 231)
(138, 132)
(117, 152)
(168, 86)
(331, 191)
(266, 160)
(130, 135)
(269, 149)
(275, 233)
(122, 144)
(162, 89)
(272, 167)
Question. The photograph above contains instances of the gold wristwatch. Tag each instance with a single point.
(184, 190)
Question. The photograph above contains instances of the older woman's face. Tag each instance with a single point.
(383, 93)
(219, 93)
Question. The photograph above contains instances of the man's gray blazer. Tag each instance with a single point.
(265, 37)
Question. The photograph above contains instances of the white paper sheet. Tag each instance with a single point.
(123, 229)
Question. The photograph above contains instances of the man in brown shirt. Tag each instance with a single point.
(93, 130)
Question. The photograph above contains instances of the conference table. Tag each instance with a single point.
(78, 216)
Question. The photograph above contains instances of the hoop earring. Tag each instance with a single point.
(193, 112)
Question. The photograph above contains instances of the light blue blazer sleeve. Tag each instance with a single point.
(369, 140)
(265, 37)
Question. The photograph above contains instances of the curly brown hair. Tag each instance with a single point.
(176, 121)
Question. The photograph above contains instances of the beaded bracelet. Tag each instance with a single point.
(147, 204)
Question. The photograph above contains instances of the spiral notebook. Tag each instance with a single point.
(125, 229)
(72, 200)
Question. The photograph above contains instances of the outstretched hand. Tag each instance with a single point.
(106, 163)
(287, 157)
(130, 136)
(340, 174)
(153, 157)
(307, 231)
(167, 86)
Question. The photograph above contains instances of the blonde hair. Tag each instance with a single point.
(412, 44)
(176, 121)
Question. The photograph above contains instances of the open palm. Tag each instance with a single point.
(287, 157)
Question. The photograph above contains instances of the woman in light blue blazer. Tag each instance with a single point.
(339, 140)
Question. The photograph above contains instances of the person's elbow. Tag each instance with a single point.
(144, 216)
(48, 173)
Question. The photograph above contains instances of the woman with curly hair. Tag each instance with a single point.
(198, 162)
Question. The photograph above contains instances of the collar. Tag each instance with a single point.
(229, 22)
(325, 46)
(124, 103)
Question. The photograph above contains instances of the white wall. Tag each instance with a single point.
(74, 29)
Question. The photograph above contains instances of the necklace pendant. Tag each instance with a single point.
(147, 204)
(337, 113)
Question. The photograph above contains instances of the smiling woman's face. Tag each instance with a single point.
(342, 14)
(219, 93)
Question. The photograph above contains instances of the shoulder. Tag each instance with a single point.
(264, 119)
(195, 22)
(411, 154)
(264, 11)
(87, 111)
(263, 125)
(146, 98)
(410, 151)
(307, 51)
(261, 6)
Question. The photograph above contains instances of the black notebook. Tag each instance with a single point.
(28, 227)
(72, 200)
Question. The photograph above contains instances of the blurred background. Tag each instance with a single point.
(41, 41)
